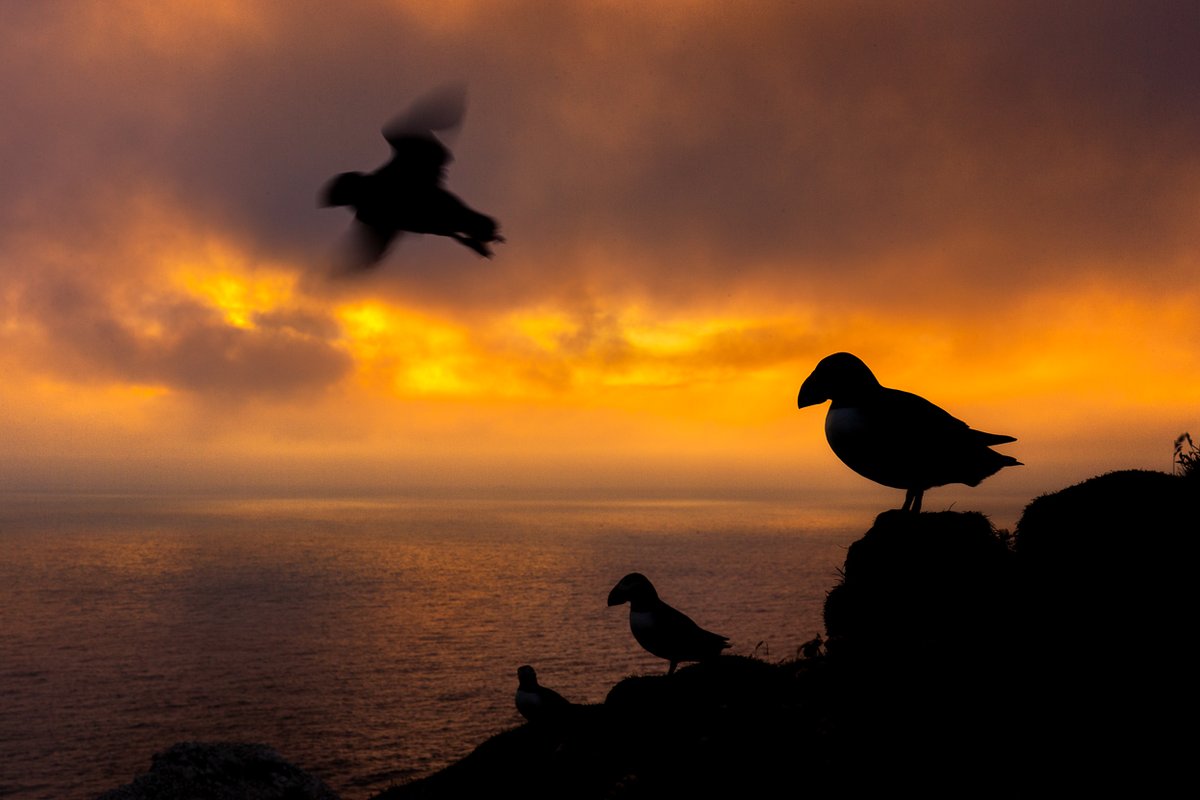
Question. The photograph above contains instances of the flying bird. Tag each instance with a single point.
(407, 194)
(538, 703)
(660, 629)
(896, 438)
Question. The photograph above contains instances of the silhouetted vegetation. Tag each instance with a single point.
(1187, 461)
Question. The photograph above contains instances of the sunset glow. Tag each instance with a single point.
(695, 215)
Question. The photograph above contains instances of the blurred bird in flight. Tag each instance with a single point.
(407, 194)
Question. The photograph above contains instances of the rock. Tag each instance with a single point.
(222, 771)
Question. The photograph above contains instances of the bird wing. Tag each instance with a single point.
(438, 110)
(916, 443)
(417, 161)
(683, 629)
(551, 698)
(365, 246)
(937, 420)
(991, 438)
(913, 414)
(417, 155)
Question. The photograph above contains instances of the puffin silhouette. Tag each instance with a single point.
(538, 703)
(660, 629)
(896, 438)
(407, 194)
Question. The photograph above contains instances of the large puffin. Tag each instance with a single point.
(896, 438)
(660, 629)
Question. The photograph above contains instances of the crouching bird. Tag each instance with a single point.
(660, 629)
(896, 438)
(407, 193)
(538, 704)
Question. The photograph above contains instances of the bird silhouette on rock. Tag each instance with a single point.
(659, 628)
(538, 704)
(896, 438)
(407, 194)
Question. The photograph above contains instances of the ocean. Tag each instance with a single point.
(369, 641)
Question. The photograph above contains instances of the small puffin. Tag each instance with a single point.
(896, 438)
(537, 703)
(660, 629)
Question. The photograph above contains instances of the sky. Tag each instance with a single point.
(995, 205)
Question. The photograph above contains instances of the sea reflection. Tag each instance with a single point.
(368, 641)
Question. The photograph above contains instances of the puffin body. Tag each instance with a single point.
(538, 703)
(896, 438)
(660, 629)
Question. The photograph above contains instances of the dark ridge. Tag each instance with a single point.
(221, 771)
(960, 662)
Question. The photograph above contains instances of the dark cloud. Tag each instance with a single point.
(667, 151)
(173, 341)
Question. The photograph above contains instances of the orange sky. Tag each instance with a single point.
(995, 207)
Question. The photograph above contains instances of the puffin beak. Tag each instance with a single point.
(809, 395)
(616, 596)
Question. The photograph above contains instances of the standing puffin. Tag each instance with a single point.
(660, 629)
(538, 703)
(896, 438)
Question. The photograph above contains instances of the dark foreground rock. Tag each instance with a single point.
(960, 662)
(222, 771)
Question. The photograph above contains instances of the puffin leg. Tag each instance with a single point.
(672, 669)
(917, 495)
(475, 244)
(908, 498)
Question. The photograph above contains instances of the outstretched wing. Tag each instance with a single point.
(364, 247)
(440, 110)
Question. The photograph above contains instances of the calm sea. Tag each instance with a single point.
(368, 641)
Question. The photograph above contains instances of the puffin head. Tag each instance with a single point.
(634, 587)
(343, 190)
(526, 676)
(839, 377)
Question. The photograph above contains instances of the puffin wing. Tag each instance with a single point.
(941, 448)
(417, 156)
(912, 416)
(365, 246)
(988, 439)
(935, 420)
(552, 699)
(441, 109)
(687, 638)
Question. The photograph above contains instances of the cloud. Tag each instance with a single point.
(90, 332)
(666, 149)
(700, 201)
